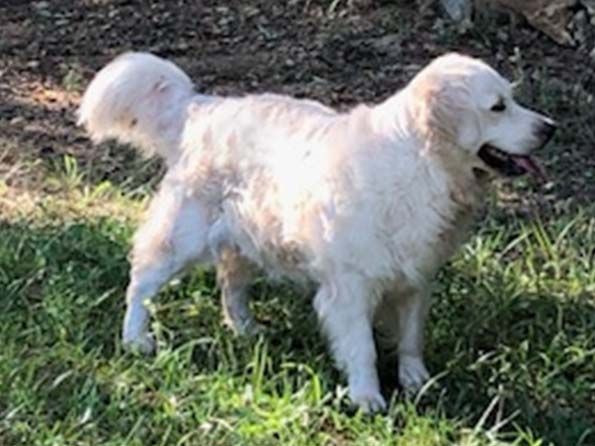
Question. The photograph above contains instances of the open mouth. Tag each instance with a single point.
(508, 164)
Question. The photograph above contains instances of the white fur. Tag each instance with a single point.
(367, 205)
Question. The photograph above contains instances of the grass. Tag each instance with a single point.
(510, 340)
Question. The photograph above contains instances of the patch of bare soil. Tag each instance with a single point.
(340, 53)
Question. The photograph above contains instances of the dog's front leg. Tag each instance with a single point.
(345, 308)
(412, 312)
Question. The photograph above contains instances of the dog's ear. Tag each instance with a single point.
(445, 112)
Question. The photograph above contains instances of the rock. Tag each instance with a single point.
(556, 18)
(552, 17)
(389, 43)
(580, 24)
(590, 5)
(458, 10)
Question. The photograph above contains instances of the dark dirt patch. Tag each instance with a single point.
(351, 54)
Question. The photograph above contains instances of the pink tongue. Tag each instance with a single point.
(530, 165)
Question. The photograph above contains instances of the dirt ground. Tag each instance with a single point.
(340, 53)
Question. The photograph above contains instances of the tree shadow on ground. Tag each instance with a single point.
(62, 291)
(256, 47)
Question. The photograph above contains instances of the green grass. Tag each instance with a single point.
(510, 340)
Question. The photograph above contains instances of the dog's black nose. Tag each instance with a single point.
(547, 130)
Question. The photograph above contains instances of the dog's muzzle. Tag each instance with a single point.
(512, 165)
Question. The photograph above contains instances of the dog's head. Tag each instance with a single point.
(462, 100)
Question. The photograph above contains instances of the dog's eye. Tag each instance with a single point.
(499, 106)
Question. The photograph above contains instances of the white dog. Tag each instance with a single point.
(367, 205)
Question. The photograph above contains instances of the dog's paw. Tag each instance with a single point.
(367, 398)
(144, 344)
(412, 373)
(246, 327)
(253, 329)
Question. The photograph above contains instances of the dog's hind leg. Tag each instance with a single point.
(173, 236)
(234, 272)
(233, 275)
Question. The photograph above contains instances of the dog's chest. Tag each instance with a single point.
(424, 231)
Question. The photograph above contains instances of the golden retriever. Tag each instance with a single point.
(366, 205)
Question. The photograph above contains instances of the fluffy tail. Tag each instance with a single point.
(139, 99)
